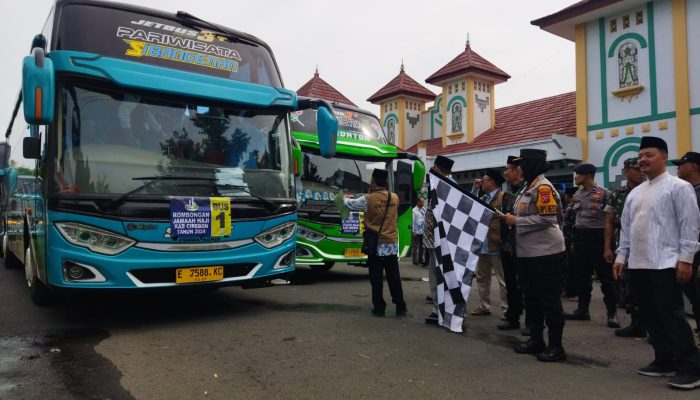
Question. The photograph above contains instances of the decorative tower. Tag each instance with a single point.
(318, 88)
(467, 96)
(401, 102)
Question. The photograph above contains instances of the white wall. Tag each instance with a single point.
(413, 133)
(482, 114)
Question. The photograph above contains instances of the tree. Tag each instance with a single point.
(21, 170)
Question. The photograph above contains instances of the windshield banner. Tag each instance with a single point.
(197, 217)
(353, 224)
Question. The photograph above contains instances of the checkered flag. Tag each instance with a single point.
(462, 224)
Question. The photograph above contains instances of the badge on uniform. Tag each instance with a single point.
(546, 203)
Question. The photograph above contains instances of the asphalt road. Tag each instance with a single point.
(311, 339)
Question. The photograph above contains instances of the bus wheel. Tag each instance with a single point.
(40, 294)
(325, 267)
(9, 259)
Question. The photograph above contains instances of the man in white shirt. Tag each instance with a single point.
(658, 240)
(418, 253)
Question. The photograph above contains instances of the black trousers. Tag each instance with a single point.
(691, 292)
(377, 265)
(419, 255)
(588, 254)
(569, 272)
(540, 279)
(661, 310)
(514, 294)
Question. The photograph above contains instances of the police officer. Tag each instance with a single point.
(689, 171)
(516, 184)
(613, 218)
(540, 248)
(589, 246)
(568, 230)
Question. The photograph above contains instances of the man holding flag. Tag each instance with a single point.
(461, 224)
(540, 248)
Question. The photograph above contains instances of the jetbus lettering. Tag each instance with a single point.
(166, 27)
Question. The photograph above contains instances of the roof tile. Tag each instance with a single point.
(317, 87)
(465, 62)
(402, 84)
(520, 123)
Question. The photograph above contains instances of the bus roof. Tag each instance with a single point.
(205, 25)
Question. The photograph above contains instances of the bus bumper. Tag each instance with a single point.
(145, 268)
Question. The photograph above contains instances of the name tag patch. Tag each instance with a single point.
(546, 203)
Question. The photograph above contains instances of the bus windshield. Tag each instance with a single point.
(110, 142)
(351, 125)
(322, 179)
(170, 43)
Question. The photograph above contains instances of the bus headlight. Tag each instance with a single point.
(310, 234)
(277, 235)
(94, 239)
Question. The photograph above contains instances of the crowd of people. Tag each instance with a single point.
(640, 241)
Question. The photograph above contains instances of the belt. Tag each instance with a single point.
(588, 232)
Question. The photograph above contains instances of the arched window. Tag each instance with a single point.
(627, 65)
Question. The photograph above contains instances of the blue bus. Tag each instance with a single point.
(162, 152)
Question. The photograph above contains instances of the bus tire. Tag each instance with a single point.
(322, 268)
(9, 259)
(38, 291)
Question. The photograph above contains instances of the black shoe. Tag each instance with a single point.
(552, 354)
(377, 313)
(686, 382)
(657, 369)
(633, 331)
(401, 312)
(578, 315)
(531, 346)
(612, 321)
(508, 325)
(428, 299)
(431, 319)
(525, 331)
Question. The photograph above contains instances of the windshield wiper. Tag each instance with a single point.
(268, 204)
(202, 23)
(151, 181)
(315, 214)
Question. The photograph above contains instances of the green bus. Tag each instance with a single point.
(323, 237)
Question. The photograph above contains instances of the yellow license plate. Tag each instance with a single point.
(199, 274)
(354, 253)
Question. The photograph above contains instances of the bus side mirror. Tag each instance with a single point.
(38, 88)
(297, 158)
(31, 148)
(418, 175)
(327, 127)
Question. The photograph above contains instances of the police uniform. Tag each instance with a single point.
(691, 289)
(540, 248)
(570, 288)
(508, 258)
(589, 245)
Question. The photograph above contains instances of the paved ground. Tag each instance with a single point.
(312, 339)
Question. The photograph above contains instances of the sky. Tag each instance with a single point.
(358, 46)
